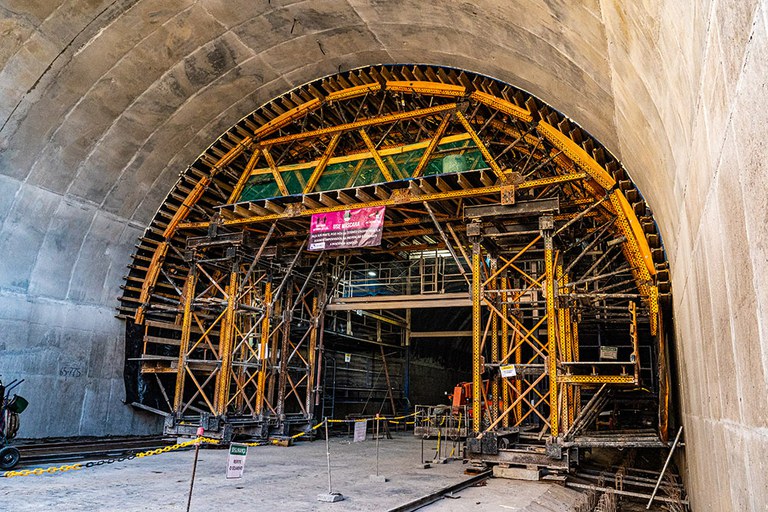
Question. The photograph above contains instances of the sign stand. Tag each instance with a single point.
(236, 460)
(330, 496)
(377, 477)
(361, 430)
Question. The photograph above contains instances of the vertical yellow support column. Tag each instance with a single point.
(495, 344)
(663, 382)
(274, 347)
(186, 328)
(518, 360)
(226, 345)
(477, 412)
(284, 345)
(554, 416)
(635, 341)
(577, 389)
(504, 349)
(564, 329)
(263, 344)
(245, 324)
(569, 356)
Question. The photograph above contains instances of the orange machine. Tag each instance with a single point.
(462, 396)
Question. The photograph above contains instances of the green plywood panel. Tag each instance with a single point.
(259, 187)
(358, 173)
(296, 180)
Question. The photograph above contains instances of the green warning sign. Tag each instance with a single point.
(238, 449)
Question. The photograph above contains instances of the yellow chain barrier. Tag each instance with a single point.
(185, 444)
(41, 471)
(191, 442)
(75, 467)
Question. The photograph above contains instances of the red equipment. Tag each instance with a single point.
(462, 396)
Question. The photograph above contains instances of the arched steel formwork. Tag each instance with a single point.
(550, 243)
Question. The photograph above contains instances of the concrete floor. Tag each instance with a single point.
(510, 496)
(277, 479)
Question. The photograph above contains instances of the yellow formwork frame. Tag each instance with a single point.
(551, 335)
(226, 344)
(477, 382)
(504, 349)
(562, 330)
(263, 344)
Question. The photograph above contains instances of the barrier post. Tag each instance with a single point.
(200, 432)
(377, 477)
(330, 497)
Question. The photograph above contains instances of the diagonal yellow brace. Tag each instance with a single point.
(432, 145)
(240, 185)
(322, 164)
(356, 125)
(479, 143)
(275, 171)
(502, 106)
(422, 87)
(376, 156)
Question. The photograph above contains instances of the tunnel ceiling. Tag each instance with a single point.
(107, 101)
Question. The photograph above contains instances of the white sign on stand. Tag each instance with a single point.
(236, 460)
(361, 428)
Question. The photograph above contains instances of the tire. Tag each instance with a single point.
(9, 457)
(11, 425)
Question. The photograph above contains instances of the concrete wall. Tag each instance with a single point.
(62, 261)
(103, 102)
(687, 82)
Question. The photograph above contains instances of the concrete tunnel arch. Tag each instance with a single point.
(82, 101)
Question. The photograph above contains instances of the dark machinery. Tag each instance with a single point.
(10, 409)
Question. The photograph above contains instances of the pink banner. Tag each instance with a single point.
(346, 229)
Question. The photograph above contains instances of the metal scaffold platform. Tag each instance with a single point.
(497, 209)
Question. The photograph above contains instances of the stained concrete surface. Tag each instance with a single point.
(103, 103)
(277, 478)
(510, 496)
